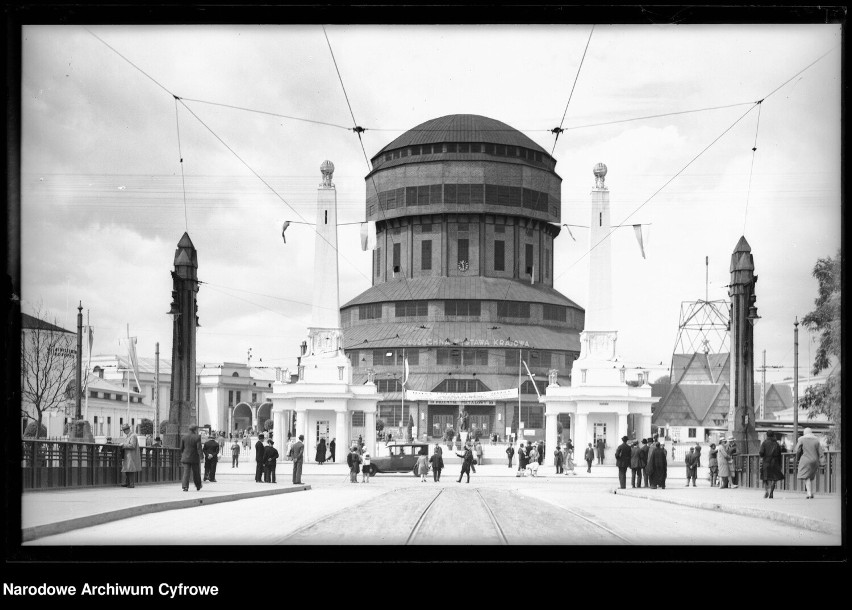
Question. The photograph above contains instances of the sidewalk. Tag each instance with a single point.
(821, 514)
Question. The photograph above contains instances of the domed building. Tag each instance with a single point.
(467, 210)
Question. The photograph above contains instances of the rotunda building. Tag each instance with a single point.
(467, 209)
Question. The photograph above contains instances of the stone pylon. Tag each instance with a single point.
(184, 311)
(742, 319)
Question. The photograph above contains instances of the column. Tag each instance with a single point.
(230, 420)
(342, 435)
(370, 432)
(550, 433)
(581, 435)
(302, 424)
(254, 423)
(279, 433)
(622, 427)
(646, 426)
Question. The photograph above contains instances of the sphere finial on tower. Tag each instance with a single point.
(600, 173)
(327, 169)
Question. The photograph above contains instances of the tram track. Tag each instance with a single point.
(422, 516)
(493, 517)
(595, 523)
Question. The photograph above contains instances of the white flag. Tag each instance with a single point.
(134, 363)
(643, 236)
(368, 235)
(569, 232)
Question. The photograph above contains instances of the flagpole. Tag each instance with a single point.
(403, 384)
(129, 364)
(88, 366)
(520, 356)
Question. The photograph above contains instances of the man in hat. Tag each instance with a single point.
(157, 442)
(643, 461)
(298, 459)
(635, 464)
(270, 459)
(691, 461)
(131, 462)
(258, 459)
(353, 460)
(601, 445)
(211, 458)
(622, 460)
(190, 457)
(589, 456)
(726, 466)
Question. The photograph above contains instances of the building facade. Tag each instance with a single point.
(466, 210)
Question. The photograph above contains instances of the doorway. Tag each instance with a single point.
(322, 431)
(599, 432)
(440, 424)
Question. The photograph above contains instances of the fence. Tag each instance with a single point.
(827, 479)
(48, 464)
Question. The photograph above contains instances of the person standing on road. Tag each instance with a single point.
(522, 459)
(220, 439)
(478, 448)
(332, 447)
(320, 456)
(589, 456)
(353, 460)
(601, 445)
(298, 459)
(713, 463)
(770, 466)
(365, 468)
(691, 461)
(809, 454)
(510, 453)
(235, 453)
(649, 461)
(540, 450)
(557, 460)
(211, 458)
(534, 455)
(467, 462)
(635, 465)
(437, 461)
(569, 460)
(131, 462)
(622, 461)
(258, 458)
(270, 461)
(732, 451)
(190, 458)
(422, 466)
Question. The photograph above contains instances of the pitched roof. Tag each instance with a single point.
(701, 368)
(31, 322)
(478, 288)
(692, 404)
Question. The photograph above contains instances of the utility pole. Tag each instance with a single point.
(795, 382)
(156, 389)
(763, 384)
(78, 390)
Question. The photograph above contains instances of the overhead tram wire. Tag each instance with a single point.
(358, 131)
(751, 170)
(179, 99)
(559, 129)
(283, 116)
(758, 103)
(182, 179)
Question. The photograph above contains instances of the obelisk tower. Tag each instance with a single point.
(742, 320)
(184, 312)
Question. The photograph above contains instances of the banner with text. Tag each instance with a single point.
(461, 397)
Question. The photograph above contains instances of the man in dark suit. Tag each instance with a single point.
(190, 457)
(636, 465)
(270, 460)
(622, 460)
(258, 458)
(600, 450)
(510, 452)
(589, 456)
(211, 458)
(298, 459)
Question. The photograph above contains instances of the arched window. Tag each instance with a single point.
(235, 374)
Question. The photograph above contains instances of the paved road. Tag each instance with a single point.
(399, 509)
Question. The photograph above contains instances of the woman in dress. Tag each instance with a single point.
(320, 457)
(809, 455)
(422, 466)
(770, 467)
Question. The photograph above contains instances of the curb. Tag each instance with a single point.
(795, 520)
(60, 527)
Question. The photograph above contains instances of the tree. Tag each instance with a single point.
(146, 426)
(267, 425)
(30, 431)
(48, 367)
(164, 425)
(825, 398)
(380, 425)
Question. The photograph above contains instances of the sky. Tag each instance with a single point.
(105, 198)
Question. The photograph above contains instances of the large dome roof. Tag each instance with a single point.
(463, 128)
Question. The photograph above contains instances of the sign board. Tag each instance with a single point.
(461, 397)
(529, 432)
(508, 430)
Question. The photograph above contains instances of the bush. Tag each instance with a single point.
(146, 426)
(30, 430)
(380, 425)
(267, 425)
(164, 426)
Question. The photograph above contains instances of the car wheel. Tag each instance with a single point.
(414, 471)
(374, 470)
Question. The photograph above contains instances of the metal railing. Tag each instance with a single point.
(827, 479)
(49, 464)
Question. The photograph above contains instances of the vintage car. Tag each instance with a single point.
(403, 457)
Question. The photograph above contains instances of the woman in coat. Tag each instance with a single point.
(770, 466)
(557, 460)
(320, 457)
(726, 467)
(423, 467)
(809, 455)
(131, 462)
(657, 477)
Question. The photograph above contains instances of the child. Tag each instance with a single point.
(422, 467)
(365, 468)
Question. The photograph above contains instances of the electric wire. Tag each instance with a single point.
(558, 130)
(751, 170)
(275, 114)
(182, 179)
